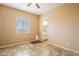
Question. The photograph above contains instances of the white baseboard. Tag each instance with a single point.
(63, 47)
(15, 44)
(33, 40)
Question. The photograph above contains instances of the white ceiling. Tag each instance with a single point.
(44, 7)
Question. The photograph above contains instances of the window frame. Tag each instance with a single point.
(23, 18)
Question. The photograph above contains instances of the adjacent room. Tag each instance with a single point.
(39, 29)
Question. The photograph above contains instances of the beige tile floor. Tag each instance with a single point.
(40, 49)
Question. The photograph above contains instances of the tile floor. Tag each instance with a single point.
(40, 49)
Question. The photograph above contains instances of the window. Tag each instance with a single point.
(22, 25)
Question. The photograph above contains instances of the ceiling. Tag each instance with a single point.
(44, 7)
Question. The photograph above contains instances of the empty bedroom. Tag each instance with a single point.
(39, 29)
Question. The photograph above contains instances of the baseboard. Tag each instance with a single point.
(33, 40)
(15, 44)
(63, 47)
